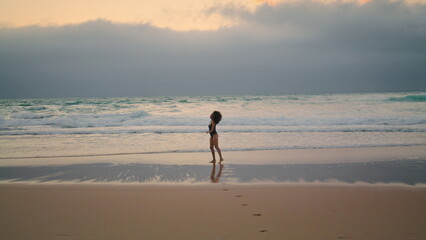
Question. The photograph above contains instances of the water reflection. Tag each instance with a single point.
(403, 171)
(215, 178)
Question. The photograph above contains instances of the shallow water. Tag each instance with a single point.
(409, 172)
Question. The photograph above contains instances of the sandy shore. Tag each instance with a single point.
(290, 156)
(212, 211)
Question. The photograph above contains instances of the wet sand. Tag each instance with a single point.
(290, 156)
(371, 165)
(409, 172)
(212, 211)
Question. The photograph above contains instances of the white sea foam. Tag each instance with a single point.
(160, 129)
(142, 118)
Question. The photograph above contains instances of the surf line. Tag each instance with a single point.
(91, 155)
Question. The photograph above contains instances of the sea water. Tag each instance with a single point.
(163, 124)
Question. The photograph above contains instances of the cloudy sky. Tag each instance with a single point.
(194, 47)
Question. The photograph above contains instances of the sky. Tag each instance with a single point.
(97, 48)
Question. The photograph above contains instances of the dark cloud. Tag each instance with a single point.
(292, 47)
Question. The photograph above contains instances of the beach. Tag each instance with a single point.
(325, 166)
(361, 193)
(221, 211)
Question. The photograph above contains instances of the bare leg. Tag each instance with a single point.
(212, 150)
(216, 145)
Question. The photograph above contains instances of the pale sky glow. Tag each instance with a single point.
(181, 15)
(176, 15)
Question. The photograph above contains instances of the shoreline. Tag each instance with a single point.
(400, 172)
(332, 183)
(212, 211)
(288, 156)
(392, 165)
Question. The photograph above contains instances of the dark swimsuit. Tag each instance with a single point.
(214, 130)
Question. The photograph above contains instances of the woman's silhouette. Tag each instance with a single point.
(214, 137)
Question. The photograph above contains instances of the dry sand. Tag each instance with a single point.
(212, 211)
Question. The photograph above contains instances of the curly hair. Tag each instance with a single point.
(217, 116)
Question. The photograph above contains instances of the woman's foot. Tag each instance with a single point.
(213, 161)
(221, 160)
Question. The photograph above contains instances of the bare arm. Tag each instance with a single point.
(212, 128)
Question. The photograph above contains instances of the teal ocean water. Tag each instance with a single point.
(90, 126)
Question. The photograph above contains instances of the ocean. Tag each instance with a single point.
(91, 126)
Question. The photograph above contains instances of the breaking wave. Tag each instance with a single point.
(409, 98)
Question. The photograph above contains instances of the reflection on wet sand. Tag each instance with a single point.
(402, 171)
(213, 178)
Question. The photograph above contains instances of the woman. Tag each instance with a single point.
(214, 137)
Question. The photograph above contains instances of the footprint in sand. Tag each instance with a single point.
(263, 230)
(225, 189)
(257, 214)
(244, 204)
(239, 196)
